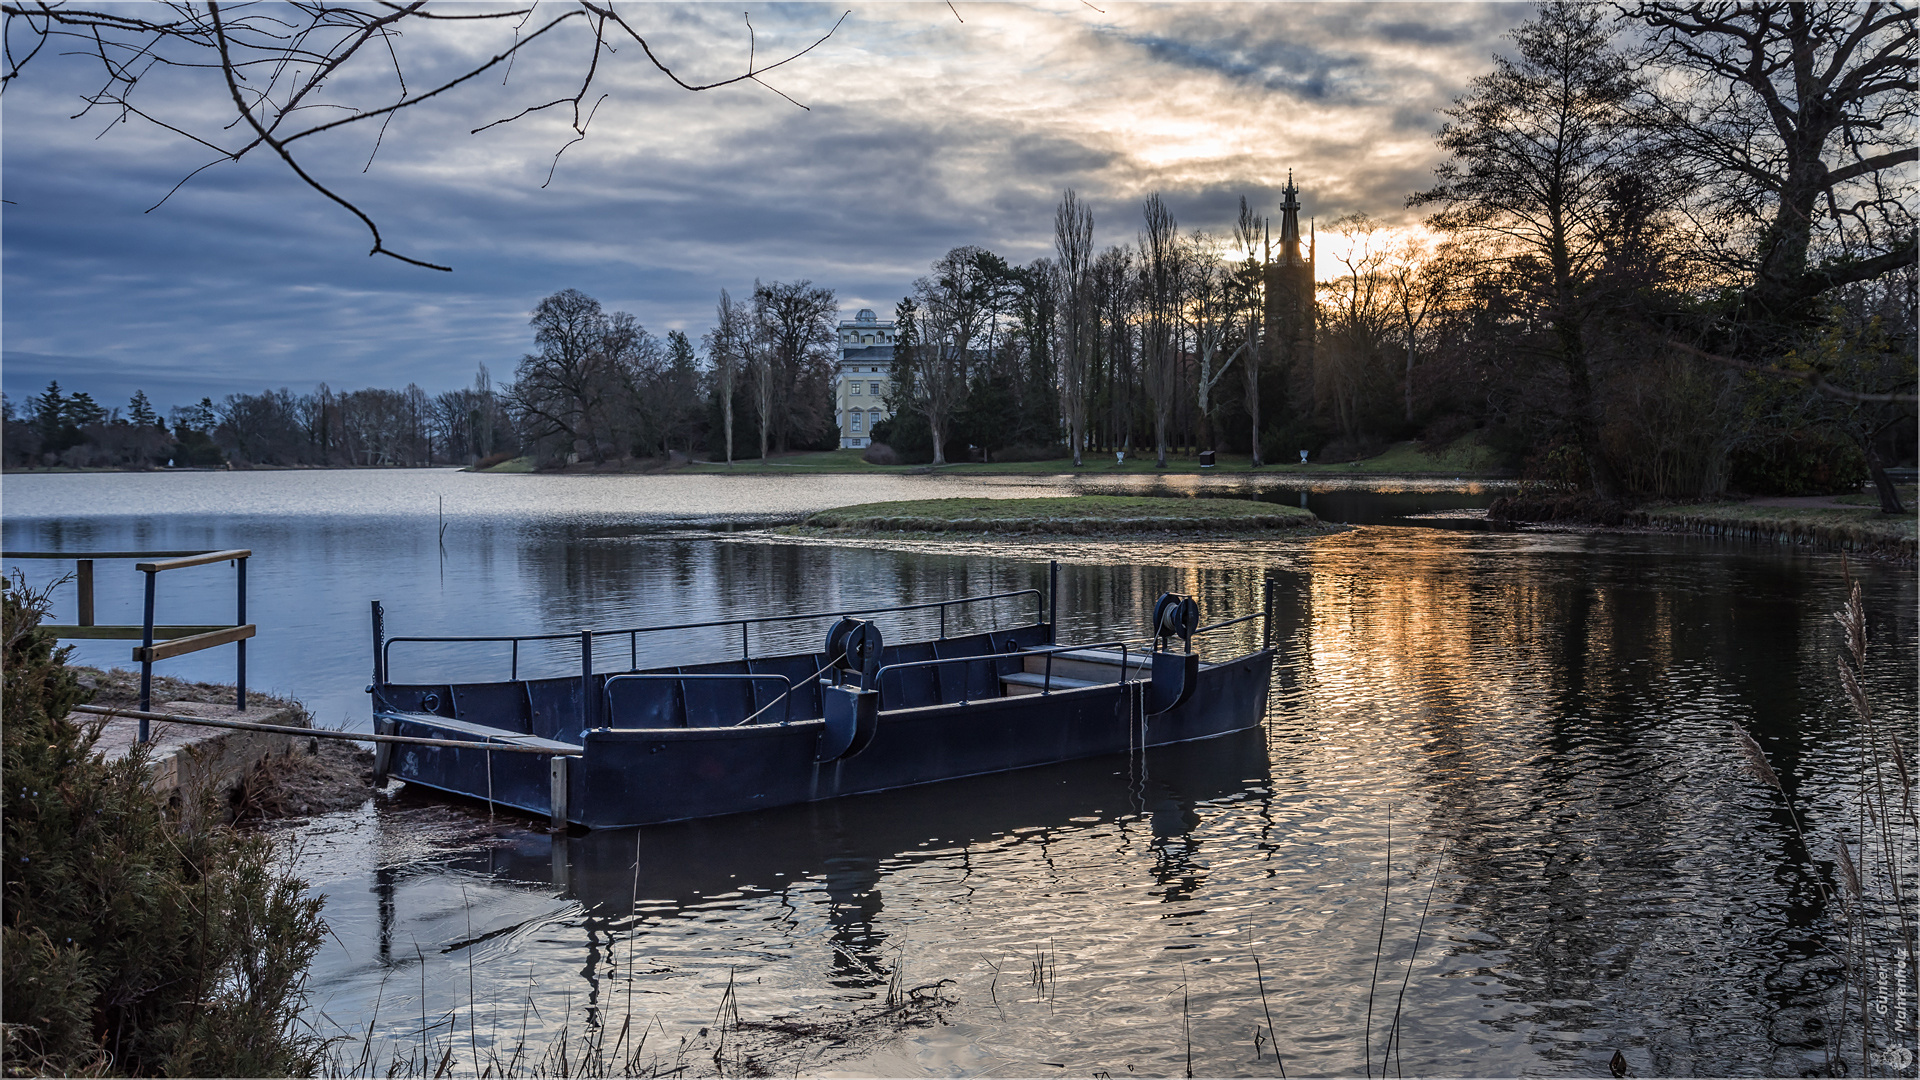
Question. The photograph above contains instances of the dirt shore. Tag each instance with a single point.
(318, 777)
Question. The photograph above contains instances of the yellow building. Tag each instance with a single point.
(860, 389)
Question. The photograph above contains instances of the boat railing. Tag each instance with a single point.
(787, 684)
(1224, 623)
(383, 647)
(1265, 615)
(1046, 684)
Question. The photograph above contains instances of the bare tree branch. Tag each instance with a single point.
(1812, 378)
(277, 62)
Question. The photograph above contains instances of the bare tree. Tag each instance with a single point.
(728, 345)
(1534, 145)
(791, 359)
(1250, 236)
(1161, 270)
(1418, 278)
(950, 309)
(1795, 124)
(1358, 307)
(1117, 294)
(1073, 242)
(571, 390)
(1211, 311)
(273, 77)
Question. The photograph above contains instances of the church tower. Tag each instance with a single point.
(1290, 291)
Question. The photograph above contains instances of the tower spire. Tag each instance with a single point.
(1290, 224)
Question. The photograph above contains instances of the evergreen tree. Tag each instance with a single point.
(133, 941)
(49, 412)
(82, 410)
(140, 411)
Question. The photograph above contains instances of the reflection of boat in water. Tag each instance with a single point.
(840, 853)
(846, 842)
(657, 744)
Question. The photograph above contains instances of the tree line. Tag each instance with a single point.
(1669, 252)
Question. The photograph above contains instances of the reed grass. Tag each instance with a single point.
(1878, 917)
(731, 1044)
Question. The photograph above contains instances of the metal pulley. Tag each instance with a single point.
(855, 644)
(1174, 616)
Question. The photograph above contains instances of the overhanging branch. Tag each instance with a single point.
(1815, 379)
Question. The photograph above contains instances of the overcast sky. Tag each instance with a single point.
(921, 133)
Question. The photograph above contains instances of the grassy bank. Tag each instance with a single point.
(1077, 515)
(1862, 529)
(1463, 459)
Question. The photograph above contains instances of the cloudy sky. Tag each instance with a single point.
(925, 128)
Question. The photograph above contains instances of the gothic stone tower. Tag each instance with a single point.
(1290, 293)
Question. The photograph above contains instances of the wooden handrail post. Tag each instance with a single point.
(83, 574)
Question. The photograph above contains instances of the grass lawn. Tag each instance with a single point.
(1464, 458)
(1908, 495)
(1867, 521)
(1077, 514)
(516, 465)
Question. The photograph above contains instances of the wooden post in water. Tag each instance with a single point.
(557, 793)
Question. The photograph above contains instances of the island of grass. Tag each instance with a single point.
(1074, 515)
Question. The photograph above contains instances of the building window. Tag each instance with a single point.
(853, 388)
(872, 388)
(875, 417)
(857, 418)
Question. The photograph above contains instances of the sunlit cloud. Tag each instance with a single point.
(920, 132)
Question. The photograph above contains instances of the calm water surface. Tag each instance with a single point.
(1522, 738)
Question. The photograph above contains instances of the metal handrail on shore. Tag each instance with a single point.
(321, 733)
(171, 640)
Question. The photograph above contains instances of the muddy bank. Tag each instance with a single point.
(319, 776)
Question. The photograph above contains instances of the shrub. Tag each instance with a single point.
(1030, 452)
(879, 453)
(1799, 463)
(134, 940)
(1281, 442)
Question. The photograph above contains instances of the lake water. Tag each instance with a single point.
(1522, 738)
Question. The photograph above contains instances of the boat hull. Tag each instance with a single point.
(643, 776)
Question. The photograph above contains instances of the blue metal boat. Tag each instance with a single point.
(641, 745)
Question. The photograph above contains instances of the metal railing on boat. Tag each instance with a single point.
(586, 637)
(1048, 651)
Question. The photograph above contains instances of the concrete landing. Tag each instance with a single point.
(200, 758)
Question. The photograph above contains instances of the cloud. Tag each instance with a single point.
(921, 133)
